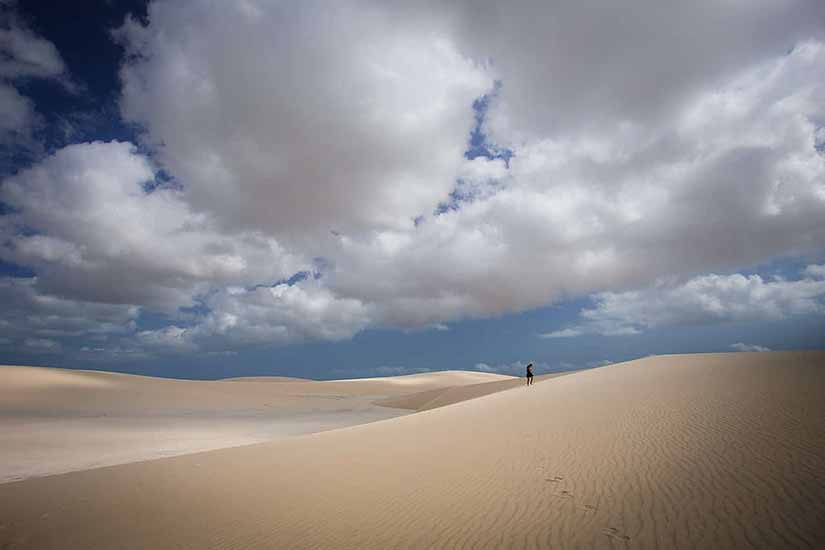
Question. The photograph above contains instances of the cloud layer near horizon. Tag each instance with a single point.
(708, 299)
(329, 141)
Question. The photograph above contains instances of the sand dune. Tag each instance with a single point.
(265, 379)
(701, 451)
(429, 380)
(57, 420)
(440, 397)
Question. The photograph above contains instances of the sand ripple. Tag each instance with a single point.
(703, 451)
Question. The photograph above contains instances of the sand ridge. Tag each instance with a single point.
(701, 451)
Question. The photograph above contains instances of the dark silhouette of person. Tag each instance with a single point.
(530, 374)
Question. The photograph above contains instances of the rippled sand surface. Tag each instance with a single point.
(694, 451)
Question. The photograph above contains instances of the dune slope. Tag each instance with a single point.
(441, 397)
(58, 420)
(702, 451)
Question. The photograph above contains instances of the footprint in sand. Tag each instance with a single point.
(565, 494)
(589, 508)
(614, 533)
(554, 479)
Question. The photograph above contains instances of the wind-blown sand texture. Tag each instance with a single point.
(699, 451)
(56, 420)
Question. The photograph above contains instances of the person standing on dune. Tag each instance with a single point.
(530, 374)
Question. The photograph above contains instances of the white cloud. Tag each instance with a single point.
(322, 138)
(266, 315)
(706, 299)
(167, 339)
(739, 346)
(301, 119)
(564, 333)
(577, 68)
(85, 222)
(484, 367)
(24, 55)
(815, 271)
(731, 178)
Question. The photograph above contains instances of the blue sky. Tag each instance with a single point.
(203, 191)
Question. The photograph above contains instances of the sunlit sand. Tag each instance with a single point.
(692, 451)
(54, 421)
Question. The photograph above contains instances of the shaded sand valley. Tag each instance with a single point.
(694, 451)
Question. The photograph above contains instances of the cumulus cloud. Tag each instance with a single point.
(29, 318)
(93, 224)
(731, 179)
(576, 68)
(563, 333)
(301, 119)
(706, 299)
(277, 314)
(24, 55)
(644, 143)
(167, 339)
(739, 346)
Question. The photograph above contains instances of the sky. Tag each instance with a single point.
(201, 189)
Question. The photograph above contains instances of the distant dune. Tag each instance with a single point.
(440, 397)
(265, 379)
(706, 451)
(57, 420)
(432, 379)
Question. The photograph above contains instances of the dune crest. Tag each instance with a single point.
(441, 397)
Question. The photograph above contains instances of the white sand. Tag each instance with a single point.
(709, 451)
(441, 397)
(54, 421)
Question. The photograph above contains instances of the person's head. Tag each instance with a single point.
(529, 365)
